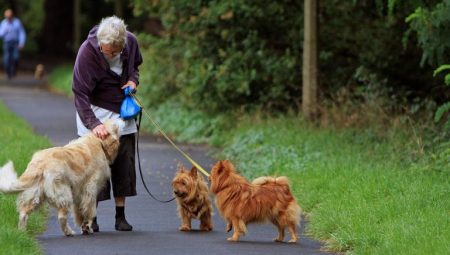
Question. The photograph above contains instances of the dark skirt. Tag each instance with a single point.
(123, 171)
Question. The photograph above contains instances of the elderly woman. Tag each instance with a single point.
(107, 62)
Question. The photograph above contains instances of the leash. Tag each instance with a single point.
(167, 137)
(139, 164)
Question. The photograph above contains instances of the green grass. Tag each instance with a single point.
(60, 79)
(18, 143)
(361, 192)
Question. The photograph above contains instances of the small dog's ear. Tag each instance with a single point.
(220, 167)
(193, 172)
(228, 166)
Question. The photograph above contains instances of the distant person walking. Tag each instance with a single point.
(14, 36)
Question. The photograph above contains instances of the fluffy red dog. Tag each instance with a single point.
(265, 199)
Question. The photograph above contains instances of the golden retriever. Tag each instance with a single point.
(66, 177)
(265, 199)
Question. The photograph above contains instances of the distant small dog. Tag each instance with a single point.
(265, 199)
(66, 177)
(192, 197)
(39, 71)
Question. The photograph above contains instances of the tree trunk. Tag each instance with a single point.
(309, 93)
(76, 25)
(118, 8)
(57, 31)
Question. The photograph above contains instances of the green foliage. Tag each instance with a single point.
(60, 79)
(441, 111)
(228, 54)
(220, 55)
(445, 108)
(161, 73)
(18, 144)
(144, 6)
(33, 19)
(432, 23)
(369, 38)
(441, 69)
(187, 124)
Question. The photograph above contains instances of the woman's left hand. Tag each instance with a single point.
(130, 84)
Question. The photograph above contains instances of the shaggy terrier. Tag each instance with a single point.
(192, 198)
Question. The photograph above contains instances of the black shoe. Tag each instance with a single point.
(94, 225)
(122, 225)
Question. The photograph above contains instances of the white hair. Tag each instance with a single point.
(112, 31)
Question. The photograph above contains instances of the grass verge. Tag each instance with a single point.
(361, 191)
(18, 144)
(60, 80)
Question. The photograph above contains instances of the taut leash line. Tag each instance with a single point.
(167, 137)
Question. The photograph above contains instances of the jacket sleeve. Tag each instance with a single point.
(83, 84)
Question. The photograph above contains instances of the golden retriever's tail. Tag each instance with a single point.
(8, 179)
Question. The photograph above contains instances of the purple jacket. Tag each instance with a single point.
(95, 83)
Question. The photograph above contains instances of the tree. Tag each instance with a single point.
(310, 81)
(57, 34)
(118, 8)
(77, 25)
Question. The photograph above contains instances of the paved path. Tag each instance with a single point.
(155, 224)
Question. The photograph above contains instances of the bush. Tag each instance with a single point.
(247, 54)
(222, 55)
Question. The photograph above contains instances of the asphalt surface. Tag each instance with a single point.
(155, 224)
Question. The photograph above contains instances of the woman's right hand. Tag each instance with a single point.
(100, 131)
